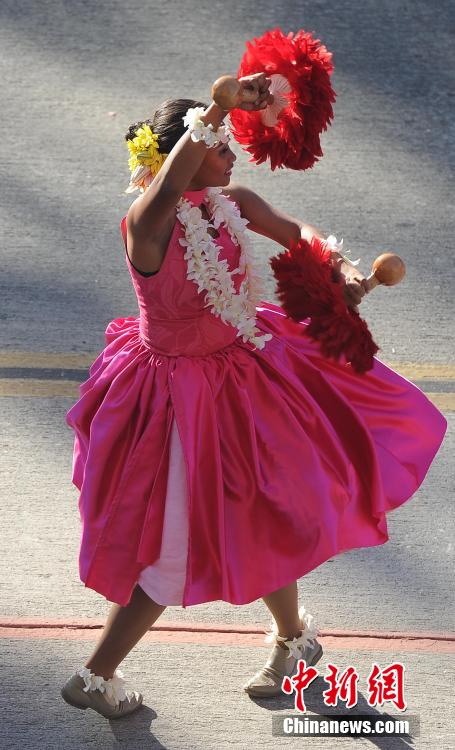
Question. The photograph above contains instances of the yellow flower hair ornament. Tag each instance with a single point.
(145, 159)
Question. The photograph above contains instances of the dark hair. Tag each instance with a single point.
(167, 122)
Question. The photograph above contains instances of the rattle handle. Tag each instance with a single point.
(373, 282)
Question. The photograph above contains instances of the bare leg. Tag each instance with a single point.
(124, 627)
(284, 606)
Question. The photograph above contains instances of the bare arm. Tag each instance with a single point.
(267, 220)
(150, 214)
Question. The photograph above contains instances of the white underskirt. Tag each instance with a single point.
(164, 581)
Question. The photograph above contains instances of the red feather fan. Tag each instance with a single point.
(308, 287)
(287, 132)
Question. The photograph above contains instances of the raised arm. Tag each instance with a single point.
(149, 215)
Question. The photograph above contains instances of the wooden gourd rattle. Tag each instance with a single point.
(227, 93)
(387, 269)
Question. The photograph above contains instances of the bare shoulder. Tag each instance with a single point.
(233, 189)
(240, 194)
(263, 217)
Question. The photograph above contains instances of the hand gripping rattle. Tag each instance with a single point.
(226, 93)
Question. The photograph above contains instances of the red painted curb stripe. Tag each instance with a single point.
(232, 638)
(228, 635)
(30, 623)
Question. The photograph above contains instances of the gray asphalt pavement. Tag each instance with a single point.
(74, 76)
(180, 713)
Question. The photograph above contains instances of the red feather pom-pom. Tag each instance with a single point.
(308, 287)
(293, 141)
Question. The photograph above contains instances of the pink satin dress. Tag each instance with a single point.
(210, 470)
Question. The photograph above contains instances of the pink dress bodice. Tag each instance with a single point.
(173, 319)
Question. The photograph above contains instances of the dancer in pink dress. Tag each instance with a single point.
(218, 454)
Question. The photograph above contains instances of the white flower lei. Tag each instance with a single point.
(213, 275)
